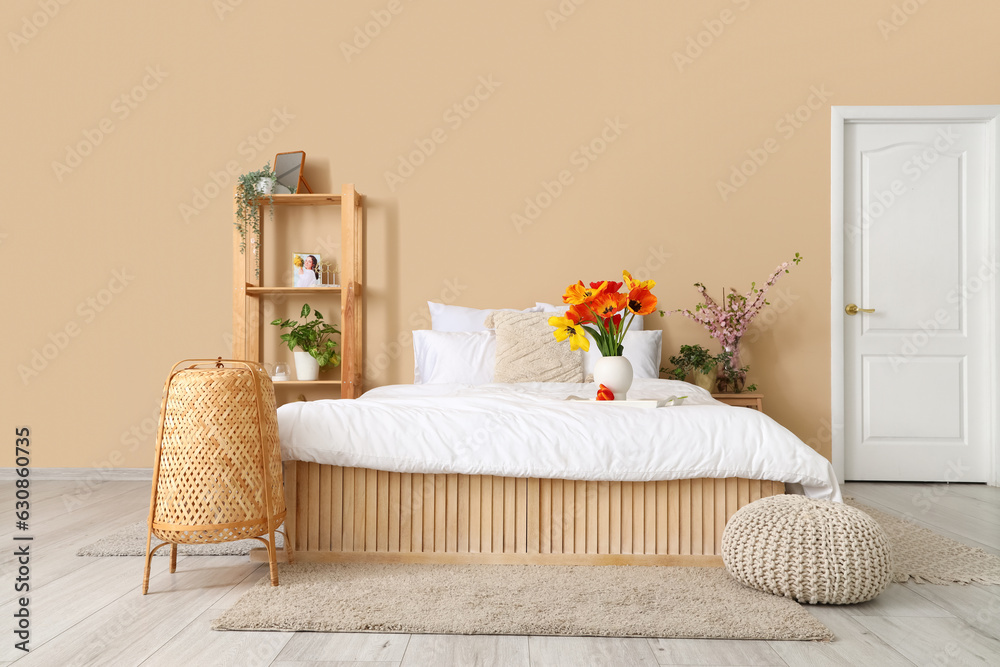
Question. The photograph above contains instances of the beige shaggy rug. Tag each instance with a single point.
(918, 554)
(928, 558)
(613, 601)
(131, 541)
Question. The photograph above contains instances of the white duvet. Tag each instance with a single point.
(532, 430)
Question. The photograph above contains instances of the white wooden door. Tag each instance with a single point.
(917, 205)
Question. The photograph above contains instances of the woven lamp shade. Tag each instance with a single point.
(813, 551)
(217, 475)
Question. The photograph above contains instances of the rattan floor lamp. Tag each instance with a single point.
(217, 474)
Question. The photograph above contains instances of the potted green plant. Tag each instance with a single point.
(697, 361)
(316, 349)
(253, 186)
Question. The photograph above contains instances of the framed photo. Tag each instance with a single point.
(306, 269)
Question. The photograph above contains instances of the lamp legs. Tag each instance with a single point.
(272, 557)
(149, 557)
(289, 550)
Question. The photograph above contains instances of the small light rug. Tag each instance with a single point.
(131, 541)
(611, 601)
(918, 554)
(928, 558)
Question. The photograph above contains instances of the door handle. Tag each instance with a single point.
(852, 309)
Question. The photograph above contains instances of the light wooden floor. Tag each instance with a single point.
(89, 611)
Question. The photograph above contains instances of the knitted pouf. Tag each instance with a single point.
(814, 551)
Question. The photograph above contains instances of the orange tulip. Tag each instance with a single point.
(605, 394)
(581, 314)
(580, 293)
(600, 310)
(641, 301)
(607, 304)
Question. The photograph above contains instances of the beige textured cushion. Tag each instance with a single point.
(814, 551)
(528, 352)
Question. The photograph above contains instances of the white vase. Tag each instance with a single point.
(265, 186)
(306, 367)
(615, 373)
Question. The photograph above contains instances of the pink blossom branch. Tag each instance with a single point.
(728, 322)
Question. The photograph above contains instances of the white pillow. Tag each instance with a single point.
(466, 357)
(548, 308)
(643, 349)
(459, 318)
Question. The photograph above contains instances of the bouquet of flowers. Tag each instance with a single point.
(728, 321)
(604, 311)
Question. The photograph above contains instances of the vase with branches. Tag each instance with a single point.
(727, 322)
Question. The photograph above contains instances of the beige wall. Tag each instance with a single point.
(103, 248)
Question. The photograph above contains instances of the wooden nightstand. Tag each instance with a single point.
(754, 401)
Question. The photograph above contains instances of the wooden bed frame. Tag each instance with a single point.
(338, 514)
(357, 514)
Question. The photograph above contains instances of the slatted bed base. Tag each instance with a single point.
(340, 514)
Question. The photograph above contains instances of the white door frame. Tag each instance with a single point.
(840, 116)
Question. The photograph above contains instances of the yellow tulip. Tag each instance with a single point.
(580, 293)
(566, 328)
(632, 283)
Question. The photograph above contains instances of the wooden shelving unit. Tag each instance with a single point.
(248, 292)
(292, 290)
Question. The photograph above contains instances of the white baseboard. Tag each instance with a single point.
(70, 474)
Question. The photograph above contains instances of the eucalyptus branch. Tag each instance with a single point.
(248, 206)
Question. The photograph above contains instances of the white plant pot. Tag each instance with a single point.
(615, 373)
(265, 186)
(306, 367)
